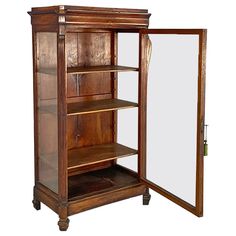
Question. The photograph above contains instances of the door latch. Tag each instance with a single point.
(205, 141)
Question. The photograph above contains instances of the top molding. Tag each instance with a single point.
(90, 17)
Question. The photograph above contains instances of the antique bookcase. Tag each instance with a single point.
(75, 77)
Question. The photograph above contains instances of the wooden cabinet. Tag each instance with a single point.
(75, 64)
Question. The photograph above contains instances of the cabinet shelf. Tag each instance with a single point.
(95, 154)
(95, 69)
(79, 108)
(89, 69)
(98, 106)
(100, 181)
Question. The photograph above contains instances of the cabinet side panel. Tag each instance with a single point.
(47, 109)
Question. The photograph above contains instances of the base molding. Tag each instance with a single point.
(80, 205)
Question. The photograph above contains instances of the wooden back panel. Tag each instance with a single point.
(89, 49)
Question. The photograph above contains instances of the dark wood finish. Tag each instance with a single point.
(146, 197)
(90, 17)
(170, 196)
(98, 106)
(36, 202)
(87, 45)
(198, 209)
(201, 122)
(142, 111)
(89, 49)
(94, 182)
(171, 31)
(68, 8)
(95, 69)
(62, 132)
(81, 205)
(95, 154)
(46, 196)
(63, 224)
(87, 73)
(142, 101)
(92, 167)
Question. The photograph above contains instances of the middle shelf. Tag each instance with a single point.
(98, 153)
(98, 106)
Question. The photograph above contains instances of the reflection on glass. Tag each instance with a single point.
(172, 114)
(47, 109)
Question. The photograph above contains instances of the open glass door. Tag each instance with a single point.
(171, 114)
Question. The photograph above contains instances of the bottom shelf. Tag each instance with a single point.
(99, 181)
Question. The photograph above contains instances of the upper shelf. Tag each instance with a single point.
(98, 106)
(89, 69)
(95, 69)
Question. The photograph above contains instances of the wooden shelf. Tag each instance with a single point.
(95, 69)
(99, 153)
(100, 181)
(98, 106)
(89, 69)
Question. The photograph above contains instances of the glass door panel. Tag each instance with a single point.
(175, 114)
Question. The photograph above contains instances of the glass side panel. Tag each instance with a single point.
(47, 109)
(128, 55)
(172, 114)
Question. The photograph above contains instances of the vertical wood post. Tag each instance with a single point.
(62, 136)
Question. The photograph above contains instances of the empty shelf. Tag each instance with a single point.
(95, 69)
(98, 106)
(100, 181)
(94, 154)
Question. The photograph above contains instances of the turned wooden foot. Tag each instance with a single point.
(146, 197)
(36, 204)
(63, 224)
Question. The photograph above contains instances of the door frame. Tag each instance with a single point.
(142, 116)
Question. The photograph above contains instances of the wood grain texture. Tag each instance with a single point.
(99, 181)
(98, 106)
(201, 122)
(97, 153)
(46, 196)
(96, 69)
(108, 197)
(91, 17)
(69, 8)
(86, 40)
(62, 129)
(89, 49)
(142, 101)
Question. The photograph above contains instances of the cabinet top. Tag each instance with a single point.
(90, 17)
(67, 9)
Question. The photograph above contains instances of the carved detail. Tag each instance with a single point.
(36, 204)
(149, 50)
(63, 224)
(61, 19)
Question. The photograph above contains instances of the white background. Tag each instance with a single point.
(129, 217)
